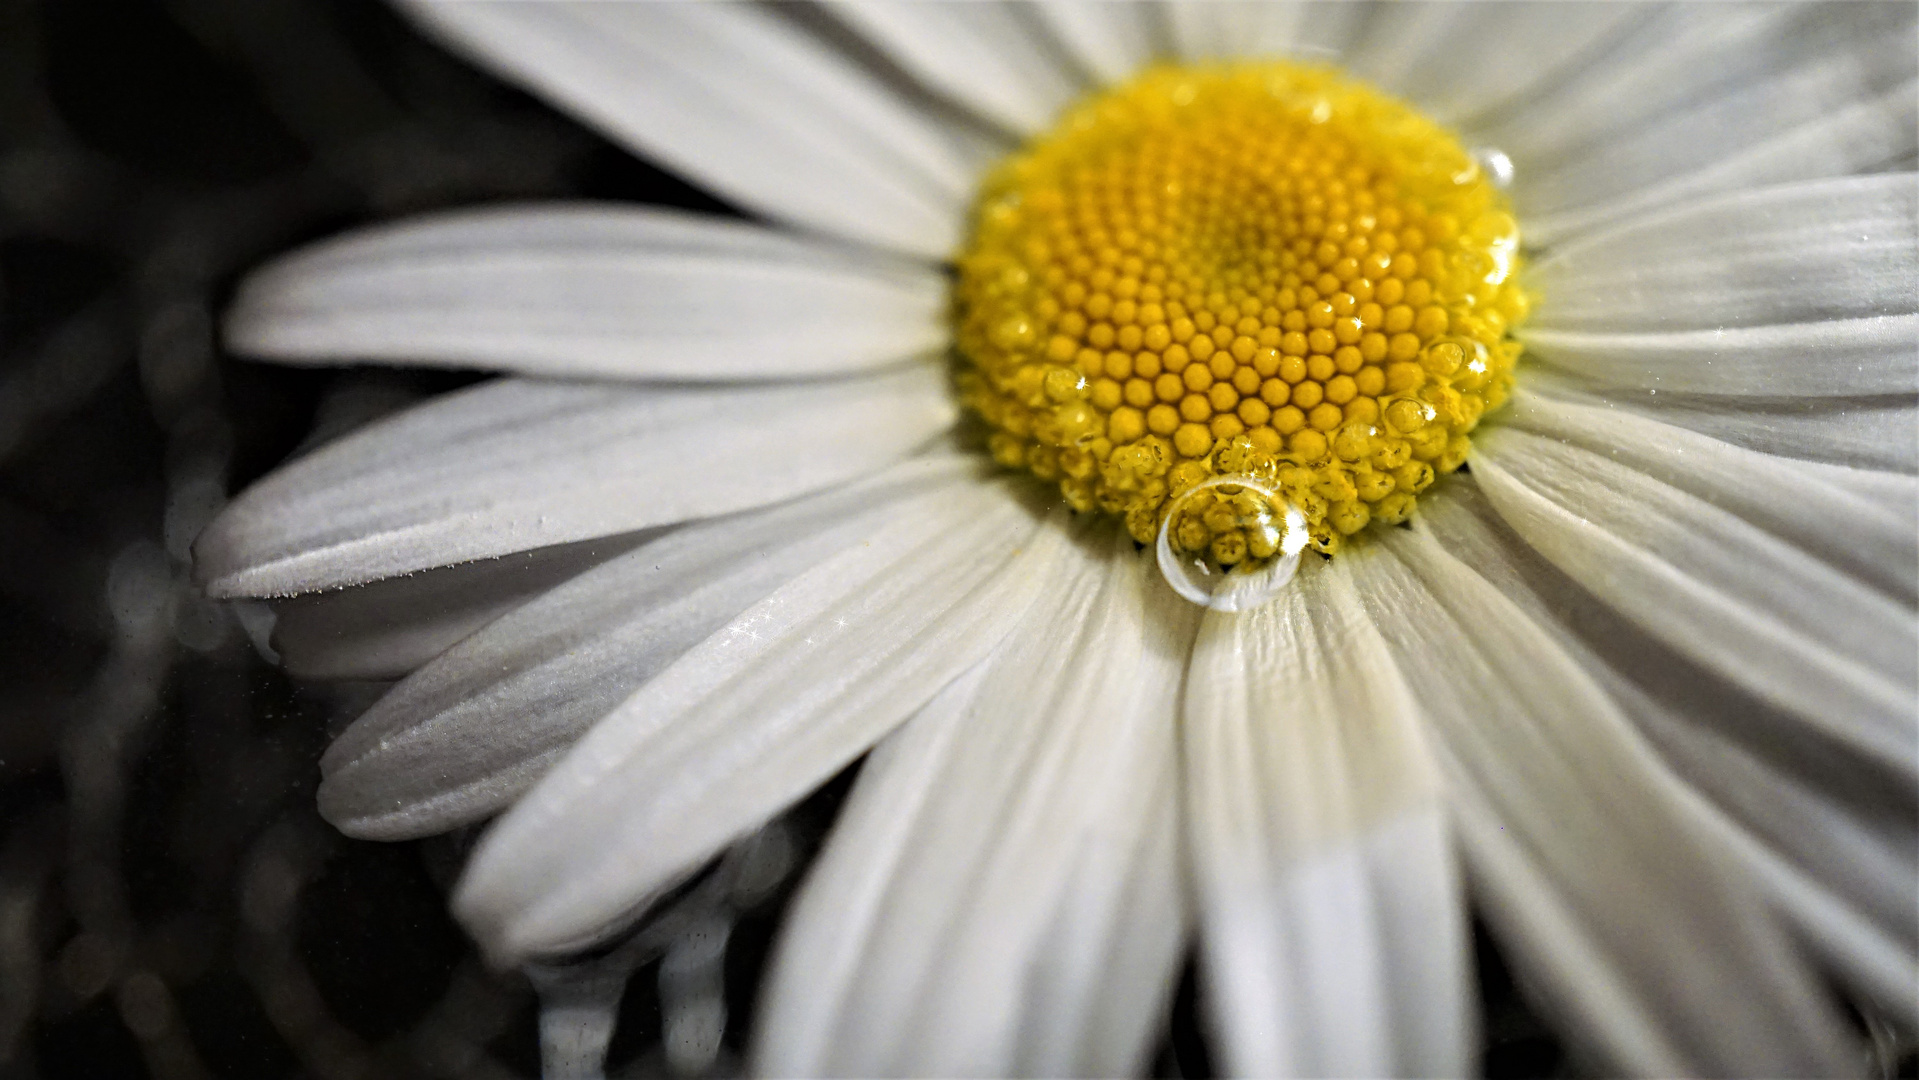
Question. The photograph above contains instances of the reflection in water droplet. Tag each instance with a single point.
(1231, 543)
(1495, 164)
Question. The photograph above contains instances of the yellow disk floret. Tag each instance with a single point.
(1264, 269)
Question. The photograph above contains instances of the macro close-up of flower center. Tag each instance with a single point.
(1263, 271)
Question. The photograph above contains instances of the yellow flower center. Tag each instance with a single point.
(1266, 272)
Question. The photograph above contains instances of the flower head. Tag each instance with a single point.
(1640, 672)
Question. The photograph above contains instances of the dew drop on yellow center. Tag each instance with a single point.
(1262, 270)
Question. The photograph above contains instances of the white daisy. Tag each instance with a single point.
(1643, 676)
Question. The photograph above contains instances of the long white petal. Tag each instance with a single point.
(468, 733)
(1860, 432)
(738, 100)
(1332, 921)
(1001, 895)
(1582, 852)
(385, 629)
(1310, 29)
(1716, 589)
(514, 464)
(591, 290)
(1827, 249)
(1458, 58)
(753, 718)
(1839, 110)
(1827, 835)
(1111, 39)
(1866, 524)
(1847, 358)
(983, 55)
(1681, 54)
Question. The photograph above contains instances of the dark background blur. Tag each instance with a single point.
(170, 904)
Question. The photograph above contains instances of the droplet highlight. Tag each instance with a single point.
(1231, 543)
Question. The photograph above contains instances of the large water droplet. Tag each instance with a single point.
(1231, 543)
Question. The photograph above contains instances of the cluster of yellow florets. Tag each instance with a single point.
(1263, 270)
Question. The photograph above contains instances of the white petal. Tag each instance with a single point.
(1112, 39)
(740, 101)
(513, 465)
(468, 733)
(1861, 432)
(1582, 853)
(1210, 29)
(1001, 895)
(1457, 58)
(1716, 589)
(1847, 358)
(622, 292)
(385, 629)
(1681, 55)
(1864, 524)
(753, 718)
(1796, 253)
(1847, 109)
(1331, 915)
(984, 55)
(1828, 836)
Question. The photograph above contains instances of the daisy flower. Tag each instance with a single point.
(1227, 302)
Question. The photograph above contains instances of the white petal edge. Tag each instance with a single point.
(1580, 851)
(385, 629)
(1828, 838)
(1846, 358)
(1716, 589)
(1111, 39)
(1309, 29)
(1002, 893)
(738, 100)
(1332, 920)
(590, 290)
(1826, 250)
(464, 736)
(983, 55)
(517, 464)
(751, 719)
(1863, 523)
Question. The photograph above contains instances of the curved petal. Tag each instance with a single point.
(1716, 589)
(754, 717)
(983, 55)
(1859, 432)
(609, 291)
(1837, 105)
(1332, 923)
(1581, 848)
(1837, 358)
(1459, 58)
(1111, 39)
(1796, 253)
(1828, 836)
(467, 734)
(1211, 29)
(1001, 894)
(514, 464)
(739, 101)
(385, 629)
(1862, 523)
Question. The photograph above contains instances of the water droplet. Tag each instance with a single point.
(1495, 164)
(1231, 543)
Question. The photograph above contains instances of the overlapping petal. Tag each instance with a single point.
(1002, 894)
(1333, 923)
(737, 99)
(517, 464)
(758, 714)
(467, 734)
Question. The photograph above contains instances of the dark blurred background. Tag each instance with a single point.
(170, 904)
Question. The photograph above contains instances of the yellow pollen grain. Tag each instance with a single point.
(1267, 270)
